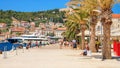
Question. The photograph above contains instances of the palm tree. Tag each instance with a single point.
(78, 17)
(83, 28)
(82, 14)
(89, 6)
(72, 26)
(71, 32)
(106, 20)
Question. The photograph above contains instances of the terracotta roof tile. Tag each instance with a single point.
(18, 29)
(115, 15)
(61, 28)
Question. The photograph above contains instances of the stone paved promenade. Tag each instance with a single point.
(53, 57)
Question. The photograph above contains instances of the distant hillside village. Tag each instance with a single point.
(49, 23)
(24, 27)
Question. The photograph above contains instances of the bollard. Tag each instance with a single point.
(23, 49)
(16, 51)
(5, 52)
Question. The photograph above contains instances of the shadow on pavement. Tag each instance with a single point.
(116, 57)
(100, 57)
(97, 56)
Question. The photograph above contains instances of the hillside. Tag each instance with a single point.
(41, 16)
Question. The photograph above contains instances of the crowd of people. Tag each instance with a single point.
(64, 43)
(73, 44)
(30, 44)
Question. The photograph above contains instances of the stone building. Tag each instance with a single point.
(115, 27)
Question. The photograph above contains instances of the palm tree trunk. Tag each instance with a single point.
(106, 50)
(106, 20)
(92, 39)
(83, 39)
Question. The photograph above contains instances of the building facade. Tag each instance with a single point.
(115, 27)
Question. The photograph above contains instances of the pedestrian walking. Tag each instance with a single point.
(74, 43)
(28, 45)
(97, 44)
(36, 44)
(40, 43)
(61, 43)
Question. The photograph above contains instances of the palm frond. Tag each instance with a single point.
(106, 4)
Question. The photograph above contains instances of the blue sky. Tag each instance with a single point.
(38, 5)
(32, 5)
(116, 8)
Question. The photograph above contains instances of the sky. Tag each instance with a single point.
(32, 5)
(39, 5)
